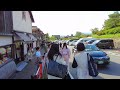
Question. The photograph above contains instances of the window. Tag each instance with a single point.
(24, 15)
(5, 54)
(1, 21)
(103, 41)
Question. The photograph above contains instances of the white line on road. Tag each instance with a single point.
(106, 76)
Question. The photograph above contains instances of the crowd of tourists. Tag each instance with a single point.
(55, 61)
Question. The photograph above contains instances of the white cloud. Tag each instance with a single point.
(68, 22)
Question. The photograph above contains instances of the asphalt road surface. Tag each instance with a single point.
(111, 71)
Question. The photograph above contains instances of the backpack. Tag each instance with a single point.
(92, 67)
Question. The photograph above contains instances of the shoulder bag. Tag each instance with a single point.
(91, 66)
(56, 69)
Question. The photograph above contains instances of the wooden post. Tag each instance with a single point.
(13, 46)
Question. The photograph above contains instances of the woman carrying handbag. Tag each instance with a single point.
(57, 67)
(81, 62)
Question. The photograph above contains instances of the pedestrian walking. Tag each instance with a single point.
(81, 62)
(54, 54)
(38, 58)
(48, 48)
(30, 54)
(43, 48)
(66, 53)
(60, 47)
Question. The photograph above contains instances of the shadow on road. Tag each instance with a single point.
(73, 71)
(112, 69)
(98, 77)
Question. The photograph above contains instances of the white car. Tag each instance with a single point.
(83, 40)
(73, 42)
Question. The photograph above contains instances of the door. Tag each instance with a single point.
(22, 52)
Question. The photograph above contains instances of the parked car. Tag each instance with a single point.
(73, 42)
(100, 57)
(104, 43)
(90, 41)
(68, 42)
(83, 40)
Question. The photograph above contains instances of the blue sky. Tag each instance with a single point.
(68, 22)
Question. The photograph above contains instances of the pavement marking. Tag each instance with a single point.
(106, 76)
(113, 53)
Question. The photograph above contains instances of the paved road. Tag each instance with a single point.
(112, 71)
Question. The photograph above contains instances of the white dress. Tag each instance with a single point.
(66, 54)
(82, 68)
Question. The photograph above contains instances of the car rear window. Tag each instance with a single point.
(104, 41)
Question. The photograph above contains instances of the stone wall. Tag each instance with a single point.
(117, 43)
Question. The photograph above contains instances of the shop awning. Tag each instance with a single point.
(32, 37)
(23, 36)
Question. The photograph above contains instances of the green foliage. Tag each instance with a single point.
(111, 26)
(47, 37)
(70, 38)
(107, 36)
(95, 31)
(112, 31)
(53, 38)
(113, 21)
(78, 34)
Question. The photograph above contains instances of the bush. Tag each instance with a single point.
(107, 36)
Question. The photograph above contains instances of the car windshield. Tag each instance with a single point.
(95, 41)
(91, 48)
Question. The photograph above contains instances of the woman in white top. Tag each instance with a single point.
(66, 53)
(81, 62)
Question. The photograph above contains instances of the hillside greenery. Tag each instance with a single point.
(110, 29)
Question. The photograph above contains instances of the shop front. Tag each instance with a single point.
(5, 49)
(7, 64)
(34, 40)
(22, 44)
(5, 53)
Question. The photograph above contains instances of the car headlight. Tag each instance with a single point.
(106, 57)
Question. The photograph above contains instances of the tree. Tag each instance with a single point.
(78, 34)
(95, 30)
(113, 21)
(53, 38)
(47, 37)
